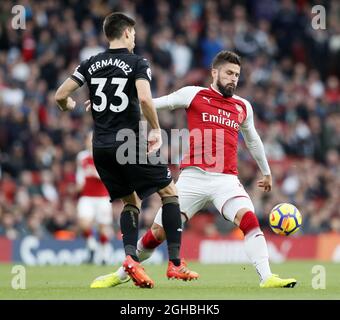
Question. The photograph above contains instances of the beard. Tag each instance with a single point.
(227, 90)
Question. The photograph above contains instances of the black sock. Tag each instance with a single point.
(129, 229)
(172, 224)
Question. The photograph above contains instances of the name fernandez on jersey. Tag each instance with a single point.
(111, 78)
(110, 62)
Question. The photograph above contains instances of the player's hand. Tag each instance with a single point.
(265, 183)
(87, 105)
(154, 140)
(70, 104)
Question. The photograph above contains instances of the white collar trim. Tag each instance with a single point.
(212, 88)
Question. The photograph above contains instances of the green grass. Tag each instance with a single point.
(220, 282)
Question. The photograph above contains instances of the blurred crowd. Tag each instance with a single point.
(290, 73)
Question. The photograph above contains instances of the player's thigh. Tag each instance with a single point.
(147, 179)
(169, 191)
(192, 192)
(228, 189)
(116, 185)
(104, 211)
(111, 173)
(86, 210)
(234, 205)
(132, 199)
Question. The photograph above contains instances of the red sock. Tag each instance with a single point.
(103, 238)
(249, 222)
(149, 241)
(87, 233)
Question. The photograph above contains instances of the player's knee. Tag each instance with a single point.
(85, 224)
(169, 191)
(184, 217)
(248, 221)
(170, 199)
(132, 200)
(105, 229)
(158, 232)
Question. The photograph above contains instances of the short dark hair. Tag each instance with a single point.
(115, 24)
(225, 57)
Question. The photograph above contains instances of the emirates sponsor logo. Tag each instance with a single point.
(206, 117)
(223, 118)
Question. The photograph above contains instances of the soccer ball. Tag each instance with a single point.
(285, 219)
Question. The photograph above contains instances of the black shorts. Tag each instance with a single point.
(123, 179)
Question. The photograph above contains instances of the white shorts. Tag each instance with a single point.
(196, 188)
(95, 209)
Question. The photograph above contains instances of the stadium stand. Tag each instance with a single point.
(290, 73)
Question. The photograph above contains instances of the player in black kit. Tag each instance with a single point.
(118, 82)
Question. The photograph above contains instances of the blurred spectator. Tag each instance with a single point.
(211, 45)
(181, 55)
(7, 226)
(91, 48)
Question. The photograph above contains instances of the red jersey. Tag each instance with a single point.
(88, 178)
(214, 123)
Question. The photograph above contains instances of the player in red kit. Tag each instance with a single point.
(209, 170)
(94, 207)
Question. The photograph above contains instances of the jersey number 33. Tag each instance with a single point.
(101, 82)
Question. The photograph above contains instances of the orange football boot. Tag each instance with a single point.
(181, 272)
(137, 273)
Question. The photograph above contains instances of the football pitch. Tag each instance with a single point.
(217, 282)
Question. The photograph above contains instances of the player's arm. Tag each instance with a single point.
(150, 114)
(178, 99)
(63, 95)
(75, 81)
(146, 103)
(256, 149)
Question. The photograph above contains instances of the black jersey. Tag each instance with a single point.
(111, 77)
